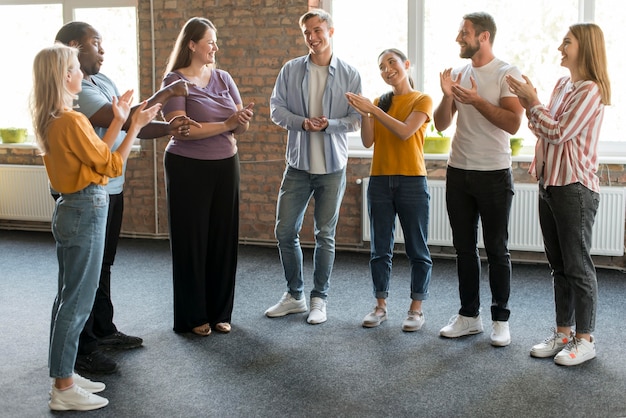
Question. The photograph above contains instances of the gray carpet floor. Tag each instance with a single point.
(287, 368)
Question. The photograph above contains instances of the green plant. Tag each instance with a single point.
(432, 130)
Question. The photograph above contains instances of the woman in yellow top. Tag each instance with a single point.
(395, 124)
(78, 164)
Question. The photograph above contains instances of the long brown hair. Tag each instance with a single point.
(193, 30)
(50, 96)
(592, 63)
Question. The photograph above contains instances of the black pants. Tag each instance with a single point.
(203, 203)
(100, 321)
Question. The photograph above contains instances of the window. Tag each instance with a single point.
(426, 31)
(26, 28)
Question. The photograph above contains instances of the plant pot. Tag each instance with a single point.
(516, 145)
(436, 145)
(13, 135)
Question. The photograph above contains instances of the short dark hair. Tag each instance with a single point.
(483, 22)
(73, 31)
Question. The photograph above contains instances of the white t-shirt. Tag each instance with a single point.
(318, 76)
(477, 143)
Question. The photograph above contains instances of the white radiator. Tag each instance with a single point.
(24, 193)
(524, 229)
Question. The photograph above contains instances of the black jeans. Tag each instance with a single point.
(487, 195)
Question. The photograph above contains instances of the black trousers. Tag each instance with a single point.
(100, 321)
(203, 203)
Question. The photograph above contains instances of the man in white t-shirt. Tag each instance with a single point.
(479, 181)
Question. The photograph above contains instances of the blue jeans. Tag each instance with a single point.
(408, 198)
(296, 191)
(567, 214)
(78, 225)
(487, 195)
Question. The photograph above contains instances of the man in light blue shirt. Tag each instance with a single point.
(309, 101)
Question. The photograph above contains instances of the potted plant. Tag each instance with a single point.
(13, 135)
(516, 145)
(436, 142)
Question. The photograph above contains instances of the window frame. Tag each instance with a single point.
(416, 14)
(68, 8)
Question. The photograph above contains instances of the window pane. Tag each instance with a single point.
(612, 22)
(363, 31)
(118, 28)
(530, 44)
(22, 39)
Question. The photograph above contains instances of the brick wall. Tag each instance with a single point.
(256, 37)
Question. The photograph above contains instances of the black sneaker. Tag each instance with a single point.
(95, 362)
(119, 341)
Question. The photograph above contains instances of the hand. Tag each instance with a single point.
(142, 115)
(446, 82)
(524, 90)
(240, 117)
(180, 125)
(121, 105)
(315, 124)
(463, 95)
(361, 104)
(245, 115)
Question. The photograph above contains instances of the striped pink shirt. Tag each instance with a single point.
(568, 131)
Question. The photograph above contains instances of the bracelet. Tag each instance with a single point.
(369, 115)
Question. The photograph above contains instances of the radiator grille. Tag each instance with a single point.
(24, 193)
(524, 230)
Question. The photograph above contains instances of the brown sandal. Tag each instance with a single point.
(202, 330)
(223, 327)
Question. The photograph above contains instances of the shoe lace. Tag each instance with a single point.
(317, 304)
(573, 343)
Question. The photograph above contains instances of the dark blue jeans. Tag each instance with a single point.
(487, 195)
(567, 214)
(408, 198)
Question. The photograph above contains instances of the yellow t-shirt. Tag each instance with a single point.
(392, 155)
(77, 157)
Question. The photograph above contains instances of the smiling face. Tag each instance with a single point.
(317, 36)
(393, 69)
(468, 40)
(91, 53)
(569, 52)
(204, 50)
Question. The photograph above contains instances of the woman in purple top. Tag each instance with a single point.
(202, 183)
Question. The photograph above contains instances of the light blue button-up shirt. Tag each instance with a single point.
(289, 108)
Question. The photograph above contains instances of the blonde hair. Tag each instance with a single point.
(50, 96)
(592, 63)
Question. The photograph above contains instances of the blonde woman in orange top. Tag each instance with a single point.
(395, 124)
(78, 164)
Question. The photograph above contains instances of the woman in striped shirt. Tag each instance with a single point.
(565, 163)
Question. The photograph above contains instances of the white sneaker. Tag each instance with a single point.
(286, 305)
(413, 321)
(75, 398)
(577, 351)
(500, 335)
(550, 346)
(88, 385)
(462, 325)
(317, 315)
(375, 318)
